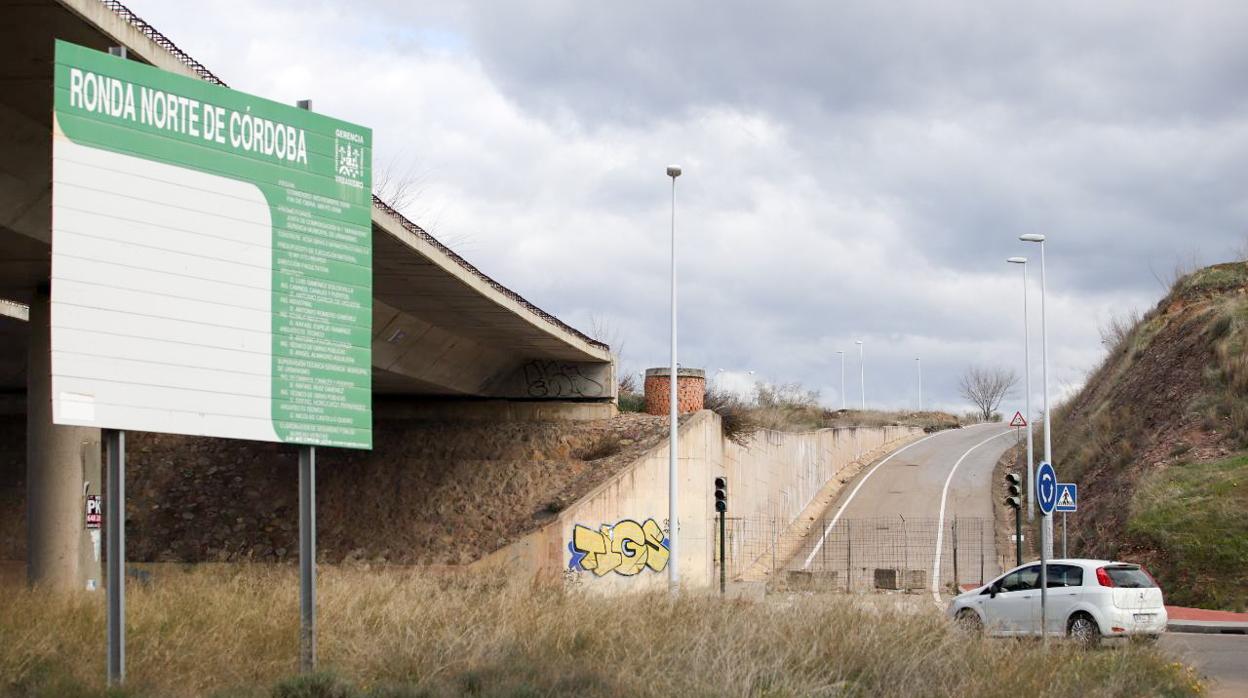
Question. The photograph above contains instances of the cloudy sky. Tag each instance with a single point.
(853, 170)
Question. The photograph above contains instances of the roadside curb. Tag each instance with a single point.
(1201, 620)
(1209, 627)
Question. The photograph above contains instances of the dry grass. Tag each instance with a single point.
(229, 631)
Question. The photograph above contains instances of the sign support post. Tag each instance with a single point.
(1046, 498)
(115, 525)
(115, 535)
(307, 542)
(1067, 501)
(307, 559)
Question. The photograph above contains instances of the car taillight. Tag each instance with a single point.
(1102, 577)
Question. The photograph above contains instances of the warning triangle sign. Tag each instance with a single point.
(1018, 420)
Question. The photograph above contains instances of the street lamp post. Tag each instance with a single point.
(842, 379)
(673, 533)
(1047, 543)
(862, 376)
(1046, 521)
(1031, 473)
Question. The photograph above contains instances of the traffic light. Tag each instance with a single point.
(721, 494)
(1014, 500)
(1013, 486)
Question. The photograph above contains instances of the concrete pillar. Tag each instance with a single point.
(62, 467)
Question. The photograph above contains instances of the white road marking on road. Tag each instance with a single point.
(940, 520)
(863, 481)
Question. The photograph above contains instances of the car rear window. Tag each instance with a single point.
(1130, 577)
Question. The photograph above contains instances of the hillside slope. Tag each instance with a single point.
(1157, 441)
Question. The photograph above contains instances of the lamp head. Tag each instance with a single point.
(673, 171)
(1031, 237)
(857, 341)
(1017, 260)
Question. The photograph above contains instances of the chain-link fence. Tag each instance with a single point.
(870, 554)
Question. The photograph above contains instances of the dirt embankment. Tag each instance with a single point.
(1169, 395)
(429, 493)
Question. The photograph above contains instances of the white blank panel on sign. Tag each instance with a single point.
(174, 339)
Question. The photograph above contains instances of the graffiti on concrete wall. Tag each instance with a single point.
(560, 379)
(626, 548)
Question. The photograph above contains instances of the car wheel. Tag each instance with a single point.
(968, 622)
(1082, 629)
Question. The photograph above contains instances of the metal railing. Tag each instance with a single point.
(162, 41)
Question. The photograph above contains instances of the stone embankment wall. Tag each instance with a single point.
(613, 538)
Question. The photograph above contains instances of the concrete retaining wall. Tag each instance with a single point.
(776, 476)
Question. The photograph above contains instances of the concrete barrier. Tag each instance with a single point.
(614, 538)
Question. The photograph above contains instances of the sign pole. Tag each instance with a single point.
(307, 559)
(115, 532)
(1044, 579)
(1047, 496)
(1064, 553)
(307, 542)
(115, 535)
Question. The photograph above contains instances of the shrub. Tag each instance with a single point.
(735, 415)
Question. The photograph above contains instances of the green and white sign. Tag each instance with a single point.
(211, 259)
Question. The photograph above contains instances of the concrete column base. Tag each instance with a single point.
(62, 468)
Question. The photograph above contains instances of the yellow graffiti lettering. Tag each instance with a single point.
(656, 552)
(596, 546)
(625, 548)
(630, 543)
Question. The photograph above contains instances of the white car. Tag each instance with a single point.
(1087, 600)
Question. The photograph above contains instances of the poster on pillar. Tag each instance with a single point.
(211, 259)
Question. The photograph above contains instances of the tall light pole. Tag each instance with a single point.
(1031, 471)
(862, 376)
(842, 379)
(1044, 378)
(673, 533)
(918, 362)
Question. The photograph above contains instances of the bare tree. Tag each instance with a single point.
(396, 184)
(402, 186)
(987, 387)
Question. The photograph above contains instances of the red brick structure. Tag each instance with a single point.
(690, 389)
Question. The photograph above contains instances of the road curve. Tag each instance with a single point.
(918, 493)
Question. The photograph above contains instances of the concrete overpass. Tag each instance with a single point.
(442, 329)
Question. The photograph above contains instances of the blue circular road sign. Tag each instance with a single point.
(1046, 487)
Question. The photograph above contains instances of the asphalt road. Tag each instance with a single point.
(1222, 658)
(901, 512)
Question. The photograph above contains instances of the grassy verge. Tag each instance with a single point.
(1197, 515)
(232, 631)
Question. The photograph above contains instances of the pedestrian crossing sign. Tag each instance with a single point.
(1067, 497)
